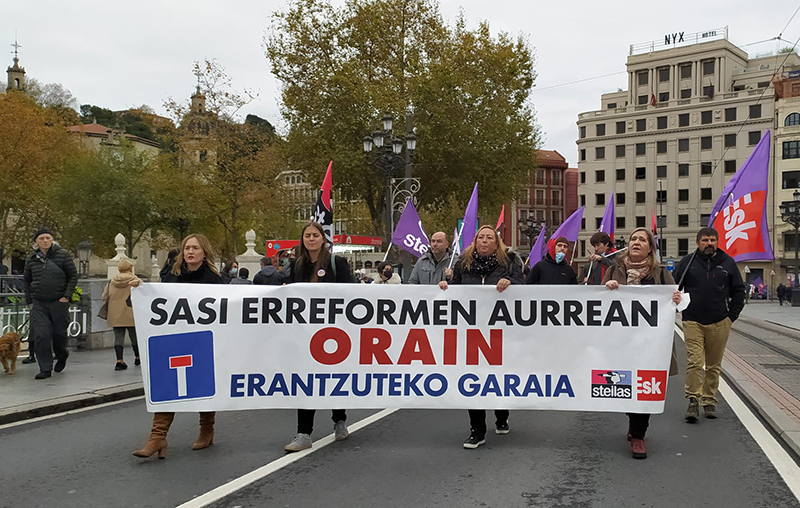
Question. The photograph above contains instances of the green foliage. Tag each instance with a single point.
(141, 122)
(341, 68)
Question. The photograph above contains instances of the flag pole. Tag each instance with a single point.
(458, 239)
(589, 273)
(387, 251)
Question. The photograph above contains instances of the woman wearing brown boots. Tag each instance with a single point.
(194, 264)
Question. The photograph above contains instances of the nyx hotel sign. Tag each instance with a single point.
(673, 38)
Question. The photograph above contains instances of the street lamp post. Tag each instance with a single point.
(84, 253)
(529, 228)
(790, 213)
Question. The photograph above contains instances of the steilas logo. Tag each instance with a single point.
(611, 384)
(651, 384)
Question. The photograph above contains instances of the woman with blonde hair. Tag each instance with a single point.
(638, 267)
(486, 261)
(120, 312)
(194, 264)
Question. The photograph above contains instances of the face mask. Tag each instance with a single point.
(388, 273)
(234, 271)
(559, 257)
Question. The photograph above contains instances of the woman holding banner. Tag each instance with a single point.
(194, 264)
(486, 261)
(638, 266)
(316, 263)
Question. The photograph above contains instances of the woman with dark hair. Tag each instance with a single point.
(386, 274)
(315, 263)
(486, 261)
(638, 266)
(171, 255)
(230, 271)
(195, 264)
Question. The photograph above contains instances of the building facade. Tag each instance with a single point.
(667, 145)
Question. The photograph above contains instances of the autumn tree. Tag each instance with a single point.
(341, 68)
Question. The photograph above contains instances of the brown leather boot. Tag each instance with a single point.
(206, 436)
(157, 442)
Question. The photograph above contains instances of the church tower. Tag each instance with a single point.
(16, 74)
(198, 102)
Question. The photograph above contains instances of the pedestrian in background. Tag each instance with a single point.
(553, 269)
(229, 271)
(120, 312)
(269, 275)
(194, 264)
(781, 293)
(386, 274)
(243, 277)
(638, 267)
(487, 261)
(315, 263)
(171, 255)
(717, 292)
(49, 280)
(432, 267)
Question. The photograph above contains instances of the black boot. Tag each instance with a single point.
(29, 359)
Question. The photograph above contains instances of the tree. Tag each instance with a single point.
(342, 68)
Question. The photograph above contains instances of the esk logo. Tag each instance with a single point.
(611, 384)
(181, 366)
(651, 385)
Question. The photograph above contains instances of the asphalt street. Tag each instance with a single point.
(408, 458)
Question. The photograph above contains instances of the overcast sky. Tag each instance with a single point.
(122, 54)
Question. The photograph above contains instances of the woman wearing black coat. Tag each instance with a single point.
(315, 263)
(486, 261)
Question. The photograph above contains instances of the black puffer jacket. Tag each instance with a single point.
(547, 271)
(49, 277)
(271, 276)
(203, 275)
(715, 285)
(303, 273)
(512, 272)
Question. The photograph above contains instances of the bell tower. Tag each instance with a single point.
(16, 74)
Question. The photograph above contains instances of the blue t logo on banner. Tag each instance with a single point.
(181, 366)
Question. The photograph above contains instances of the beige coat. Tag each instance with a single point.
(117, 291)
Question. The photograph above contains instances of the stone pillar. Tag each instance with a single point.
(155, 270)
(250, 259)
(113, 263)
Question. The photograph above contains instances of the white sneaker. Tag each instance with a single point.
(300, 442)
(340, 430)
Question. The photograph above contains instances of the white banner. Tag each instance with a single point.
(341, 346)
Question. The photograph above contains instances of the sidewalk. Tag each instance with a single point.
(88, 379)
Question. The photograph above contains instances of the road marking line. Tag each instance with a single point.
(257, 474)
(70, 412)
(780, 459)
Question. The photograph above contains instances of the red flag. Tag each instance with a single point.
(323, 211)
(501, 220)
(652, 97)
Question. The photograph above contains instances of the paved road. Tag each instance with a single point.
(409, 458)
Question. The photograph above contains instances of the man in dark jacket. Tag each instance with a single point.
(554, 270)
(603, 257)
(269, 275)
(50, 279)
(717, 292)
(432, 267)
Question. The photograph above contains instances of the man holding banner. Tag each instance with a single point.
(604, 256)
(432, 267)
(554, 269)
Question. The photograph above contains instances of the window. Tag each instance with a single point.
(540, 216)
(583, 176)
(600, 152)
(540, 177)
(600, 175)
(730, 166)
(640, 197)
(640, 174)
(683, 246)
(620, 222)
(686, 93)
(601, 129)
(791, 149)
(705, 168)
(730, 140)
(597, 222)
(683, 145)
(705, 143)
(203, 155)
(683, 120)
(704, 218)
(539, 197)
(663, 97)
(708, 91)
(705, 194)
(620, 150)
(583, 199)
(620, 198)
(642, 100)
(661, 196)
(640, 221)
(621, 174)
(683, 195)
(611, 105)
(792, 119)
(683, 221)
(662, 247)
(753, 137)
(708, 67)
(641, 125)
(730, 114)
(583, 223)
(661, 171)
(583, 131)
(642, 76)
(556, 217)
(763, 84)
(683, 170)
(641, 149)
(686, 71)
(663, 74)
(755, 111)
(705, 117)
(661, 122)
(661, 222)
(583, 154)
(599, 199)
(661, 147)
(791, 179)
(583, 248)
(620, 127)
(555, 198)
(555, 176)
(789, 242)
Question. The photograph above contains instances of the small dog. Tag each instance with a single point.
(9, 349)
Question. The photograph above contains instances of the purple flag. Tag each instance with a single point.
(470, 226)
(740, 214)
(607, 223)
(409, 234)
(569, 229)
(537, 251)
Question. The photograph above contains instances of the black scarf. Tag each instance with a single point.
(483, 265)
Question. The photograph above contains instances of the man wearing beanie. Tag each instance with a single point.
(50, 279)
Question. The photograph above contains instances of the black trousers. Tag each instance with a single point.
(637, 424)
(305, 419)
(49, 320)
(477, 419)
